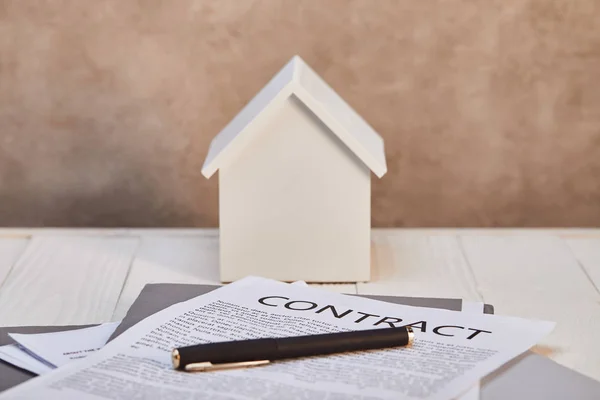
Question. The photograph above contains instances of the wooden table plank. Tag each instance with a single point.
(11, 249)
(165, 259)
(409, 264)
(538, 278)
(541, 265)
(587, 253)
(63, 281)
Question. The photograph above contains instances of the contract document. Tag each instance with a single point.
(451, 351)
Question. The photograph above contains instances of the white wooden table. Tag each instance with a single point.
(74, 276)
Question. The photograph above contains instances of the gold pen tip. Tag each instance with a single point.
(411, 335)
(176, 358)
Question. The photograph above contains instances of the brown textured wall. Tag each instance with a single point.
(490, 109)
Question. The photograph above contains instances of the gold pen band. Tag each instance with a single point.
(411, 335)
(175, 358)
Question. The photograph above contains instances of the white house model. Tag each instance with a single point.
(295, 183)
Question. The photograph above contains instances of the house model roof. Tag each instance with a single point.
(298, 79)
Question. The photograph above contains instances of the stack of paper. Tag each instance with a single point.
(41, 353)
(452, 350)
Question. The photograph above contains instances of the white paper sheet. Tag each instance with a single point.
(42, 352)
(17, 357)
(59, 348)
(473, 308)
(452, 350)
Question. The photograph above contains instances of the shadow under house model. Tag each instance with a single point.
(295, 183)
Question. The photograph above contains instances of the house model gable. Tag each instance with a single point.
(295, 171)
(297, 79)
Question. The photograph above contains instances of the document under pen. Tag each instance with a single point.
(450, 353)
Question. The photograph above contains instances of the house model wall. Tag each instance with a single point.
(294, 183)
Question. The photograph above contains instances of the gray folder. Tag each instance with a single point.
(529, 376)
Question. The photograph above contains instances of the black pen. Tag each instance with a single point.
(255, 352)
